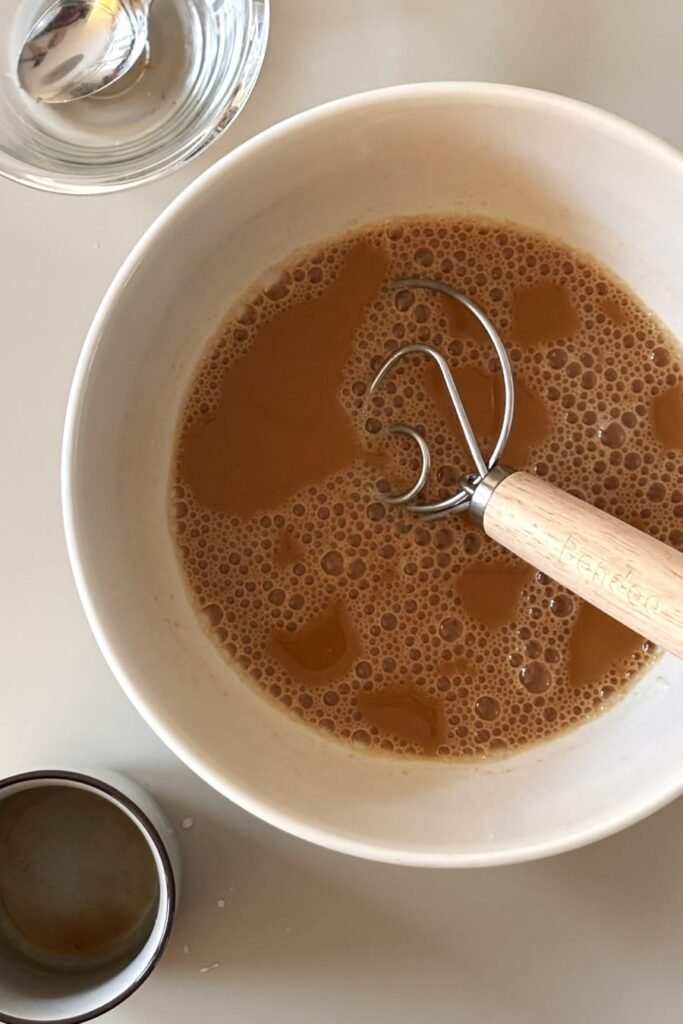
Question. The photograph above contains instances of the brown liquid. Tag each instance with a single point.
(485, 404)
(543, 313)
(404, 711)
(667, 416)
(597, 641)
(322, 650)
(413, 637)
(78, 884)
(279, 406)
(490, 594)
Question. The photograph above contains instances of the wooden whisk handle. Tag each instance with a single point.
(625, 573)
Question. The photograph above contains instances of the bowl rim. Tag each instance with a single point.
(463, 92)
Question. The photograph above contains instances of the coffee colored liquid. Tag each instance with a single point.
(421, 638)
(78, 883)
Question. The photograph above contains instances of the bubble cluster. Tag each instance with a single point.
(408, 598)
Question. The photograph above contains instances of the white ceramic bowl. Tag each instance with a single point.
(553, 164)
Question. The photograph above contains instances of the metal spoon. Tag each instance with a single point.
(78, 47)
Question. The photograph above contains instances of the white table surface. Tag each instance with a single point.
(307, 935)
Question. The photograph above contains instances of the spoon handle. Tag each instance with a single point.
(627, 574)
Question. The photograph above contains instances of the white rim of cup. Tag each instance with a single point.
(99, 786)
(163, 726)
